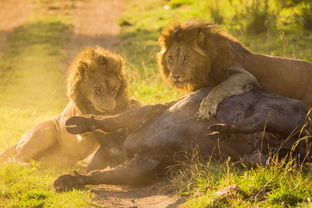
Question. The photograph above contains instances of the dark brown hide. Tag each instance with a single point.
(177, 130)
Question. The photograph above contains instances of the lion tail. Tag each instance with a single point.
(8, 153)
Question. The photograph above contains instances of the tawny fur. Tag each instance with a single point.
(216, 59)
(96, 85)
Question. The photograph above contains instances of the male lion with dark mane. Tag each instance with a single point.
(198, 54)
(96, 85)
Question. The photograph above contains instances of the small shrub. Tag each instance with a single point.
(177, 3)
(214, 9)
(307, 16)
(260, 17)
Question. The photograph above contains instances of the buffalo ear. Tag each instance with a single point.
(82, 67)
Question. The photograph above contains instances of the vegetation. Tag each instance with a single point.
(278, 33)
(273, 28)
(32, 83)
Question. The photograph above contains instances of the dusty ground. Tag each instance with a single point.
(12, 14)
(95, 23)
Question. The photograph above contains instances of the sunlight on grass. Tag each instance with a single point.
(278, 185)
(25, 187)
(32, 90)
(33, 84)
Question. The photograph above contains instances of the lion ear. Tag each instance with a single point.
(102, 60)
(82, 67)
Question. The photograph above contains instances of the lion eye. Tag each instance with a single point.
(115, 90)
(98, 90)
(186, 58)
(170, 58)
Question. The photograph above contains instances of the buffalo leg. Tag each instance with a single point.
(129, 120)
(254, 123)
(134, 171)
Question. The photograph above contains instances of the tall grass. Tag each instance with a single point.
(307, 15)
(282, 183)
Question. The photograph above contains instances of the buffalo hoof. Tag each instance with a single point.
(80, 124)
(68, 182)
(223, 128)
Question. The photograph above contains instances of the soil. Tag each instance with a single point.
(12, 14)
(95, 24)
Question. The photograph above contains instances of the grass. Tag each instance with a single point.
(281, 184)
(32, 90)
(24, 187)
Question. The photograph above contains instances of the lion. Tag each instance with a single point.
(197, 53)
(96, 85)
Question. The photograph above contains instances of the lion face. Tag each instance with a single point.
(196, 53)
(97, 82)
(181, 65)
(101, 91)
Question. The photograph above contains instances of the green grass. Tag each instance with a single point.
(32, 90)
(24, 187)
(282, 184)
(278, 185)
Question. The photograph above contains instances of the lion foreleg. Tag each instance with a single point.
(239, 81)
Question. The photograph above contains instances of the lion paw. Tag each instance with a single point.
(206, 111)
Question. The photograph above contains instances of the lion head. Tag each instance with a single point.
(96, 83)
(195, 53)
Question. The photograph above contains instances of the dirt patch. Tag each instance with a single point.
(12, 14)
(125, 197)
(95, 23)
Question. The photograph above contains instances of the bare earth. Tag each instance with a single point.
(12, 14)
(95, 23)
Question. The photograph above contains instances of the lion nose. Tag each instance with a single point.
(176, 77)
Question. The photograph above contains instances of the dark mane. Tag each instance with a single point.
(92, 60)
(217, 49)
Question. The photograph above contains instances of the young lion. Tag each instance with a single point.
(96, 85)
(198, 54)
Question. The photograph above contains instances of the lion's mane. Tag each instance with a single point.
(217, 49)
(95, 59)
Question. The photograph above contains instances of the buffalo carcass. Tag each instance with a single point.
(157, 133)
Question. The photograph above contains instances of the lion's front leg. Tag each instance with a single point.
(239, 81)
